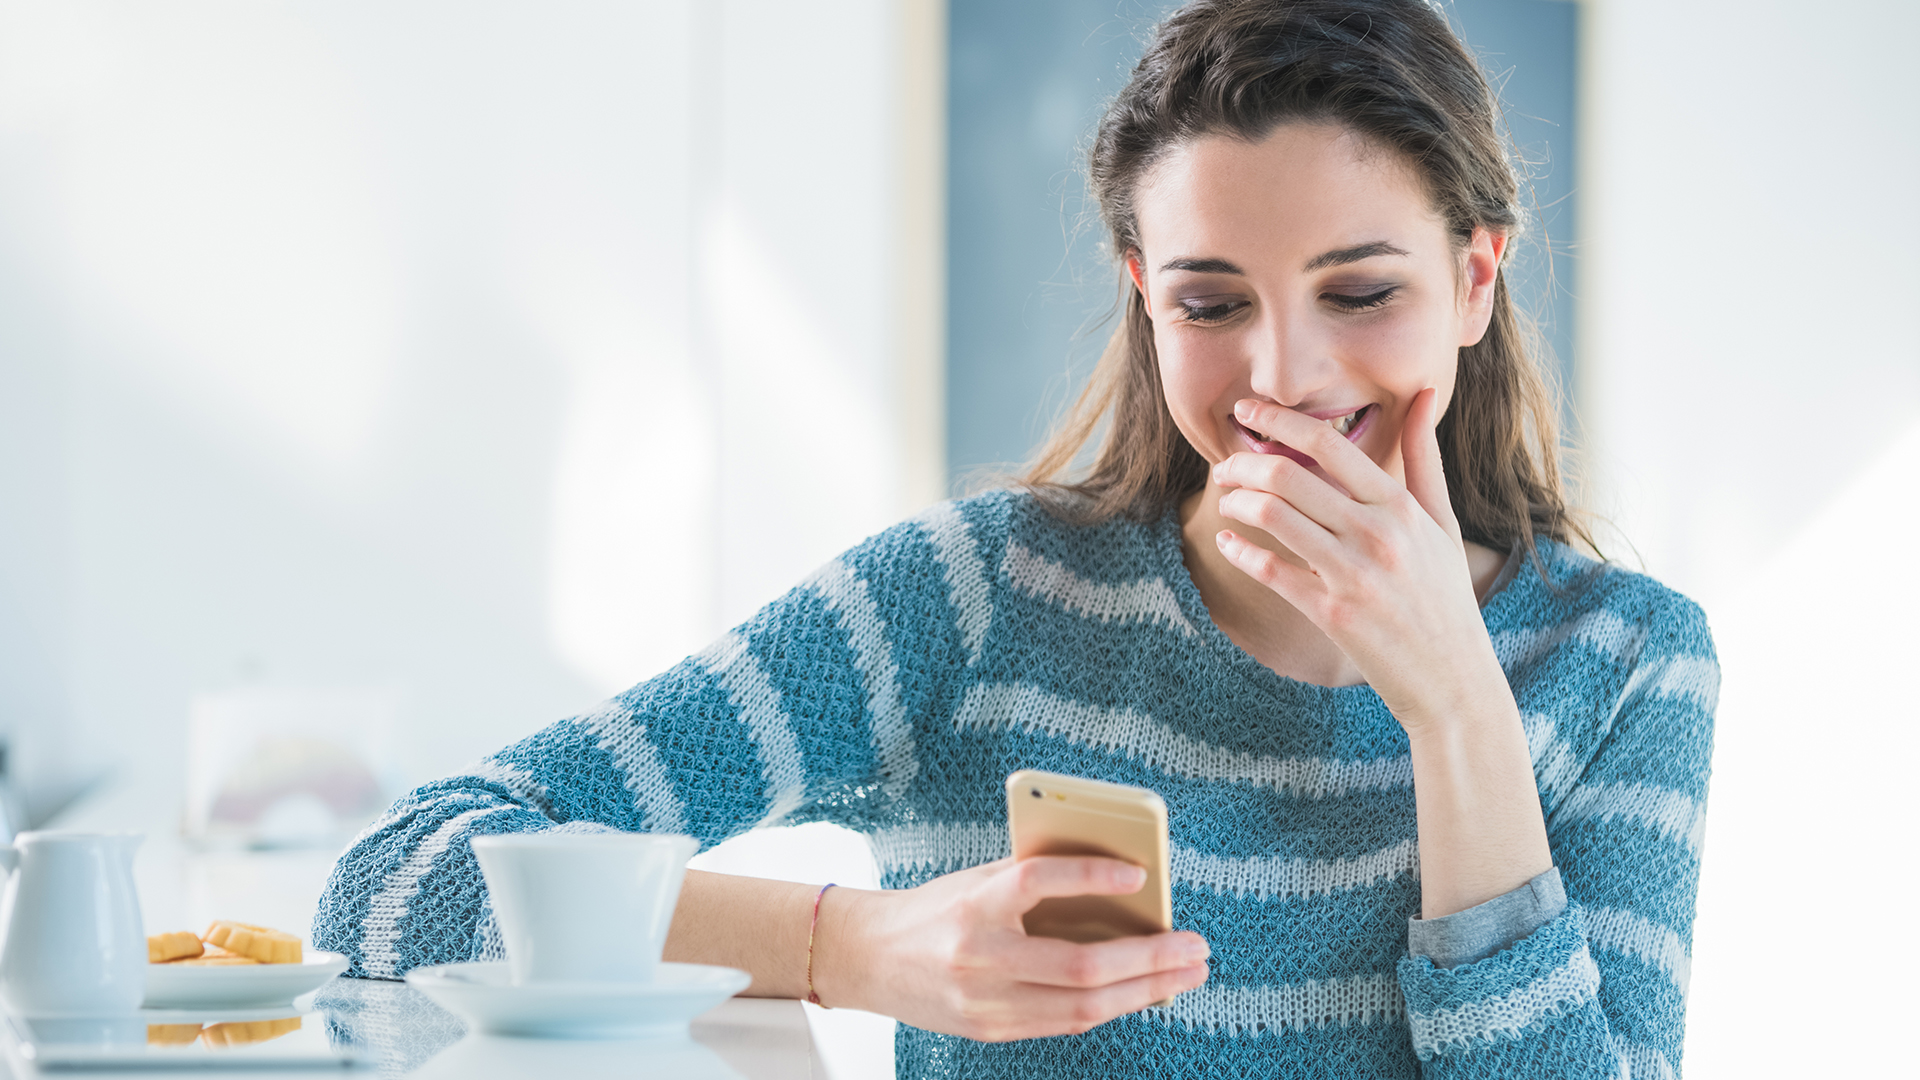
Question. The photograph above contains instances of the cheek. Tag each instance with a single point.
(1194, 374)
(1404, 355)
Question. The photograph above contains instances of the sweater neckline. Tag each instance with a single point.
(1169, 551)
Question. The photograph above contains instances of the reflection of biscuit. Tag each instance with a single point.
(240, 1033)
(172, 1034)
(172, 946)
(265, 945)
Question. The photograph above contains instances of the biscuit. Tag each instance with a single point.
(172, 1034)
(242, 1032)
(261, 943)
(215, 956)
(176, 945)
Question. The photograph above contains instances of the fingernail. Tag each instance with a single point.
(1195, 951)
(1131, 877)
(1243, 409)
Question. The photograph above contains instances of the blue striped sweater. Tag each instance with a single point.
(894, 690)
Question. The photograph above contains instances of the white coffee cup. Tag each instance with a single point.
(583, 907)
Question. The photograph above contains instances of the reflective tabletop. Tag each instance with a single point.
(391, 1030)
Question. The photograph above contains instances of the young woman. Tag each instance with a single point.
(1435, 778)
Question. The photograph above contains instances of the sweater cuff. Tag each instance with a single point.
(1469, 936)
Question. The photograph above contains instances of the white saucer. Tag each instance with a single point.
(485, 995)
(240, 986)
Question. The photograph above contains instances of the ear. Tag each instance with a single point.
(1139, 275)
(1484, 253)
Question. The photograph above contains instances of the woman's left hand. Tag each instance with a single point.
(1386, 574)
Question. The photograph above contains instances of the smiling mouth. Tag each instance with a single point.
(1350, 425)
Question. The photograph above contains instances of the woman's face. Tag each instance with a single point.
(1307, 269)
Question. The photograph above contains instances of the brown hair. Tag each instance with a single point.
(1391, 71)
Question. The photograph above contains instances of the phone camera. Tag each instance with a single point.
(1035, 793)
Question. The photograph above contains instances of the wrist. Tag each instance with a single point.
(1477, 699)
(840, 974)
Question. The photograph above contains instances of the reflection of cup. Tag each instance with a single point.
(91, 1032)
(590, 907)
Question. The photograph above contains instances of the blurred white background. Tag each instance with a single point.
(488, 357)
(1754, 407)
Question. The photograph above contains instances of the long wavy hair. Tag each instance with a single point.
(1391, 71)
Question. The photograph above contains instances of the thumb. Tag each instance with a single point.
(1420, 449)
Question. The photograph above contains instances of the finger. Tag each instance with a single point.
(1338, 457)
(1052, 962)
(1034, 879)
(1050, 1010)
(1426, 474)
(1302, 588)
(1332, 509)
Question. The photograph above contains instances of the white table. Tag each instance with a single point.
(395, 1026)
(402, 1034)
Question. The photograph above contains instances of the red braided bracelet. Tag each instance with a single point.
(813, 995)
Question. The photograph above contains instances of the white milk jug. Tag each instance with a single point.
(74, 941)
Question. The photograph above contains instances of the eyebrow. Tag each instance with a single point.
(1204, 266)
(1319, 262)
(1351, 255)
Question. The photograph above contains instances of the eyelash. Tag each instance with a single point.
(1214, 313)
(1362, 303)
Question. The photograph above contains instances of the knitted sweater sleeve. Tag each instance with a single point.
(804, 712)
(1600, 990)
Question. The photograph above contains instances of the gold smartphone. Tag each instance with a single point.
(1051, 814)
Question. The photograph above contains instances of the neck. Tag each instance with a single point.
(1253, 616)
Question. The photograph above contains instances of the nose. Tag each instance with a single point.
(1292, 356)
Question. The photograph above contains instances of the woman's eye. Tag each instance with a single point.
(1350, 302)
(1195, 311)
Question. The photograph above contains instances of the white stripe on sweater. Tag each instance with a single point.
(1145, 600)
(380, 933)
(1614, 637)
(1670, 813)
(1237, 1010)
(1270, 876)
(518, 782)
(1568, 986)
(615, 730)
(1555, 767)
(1623, 932)
(1692, 678)
(758, 704)
(943, 847)
(937, 846)
(966, 575)
(997, 705)
(866, 631)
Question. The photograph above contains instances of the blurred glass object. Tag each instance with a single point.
(287, 768)
(13, 814)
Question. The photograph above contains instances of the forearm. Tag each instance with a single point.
(754, 924)
(1481, 829)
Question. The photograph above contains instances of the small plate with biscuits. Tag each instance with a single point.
(233, 965)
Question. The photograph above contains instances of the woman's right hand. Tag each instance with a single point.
(953, 956)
